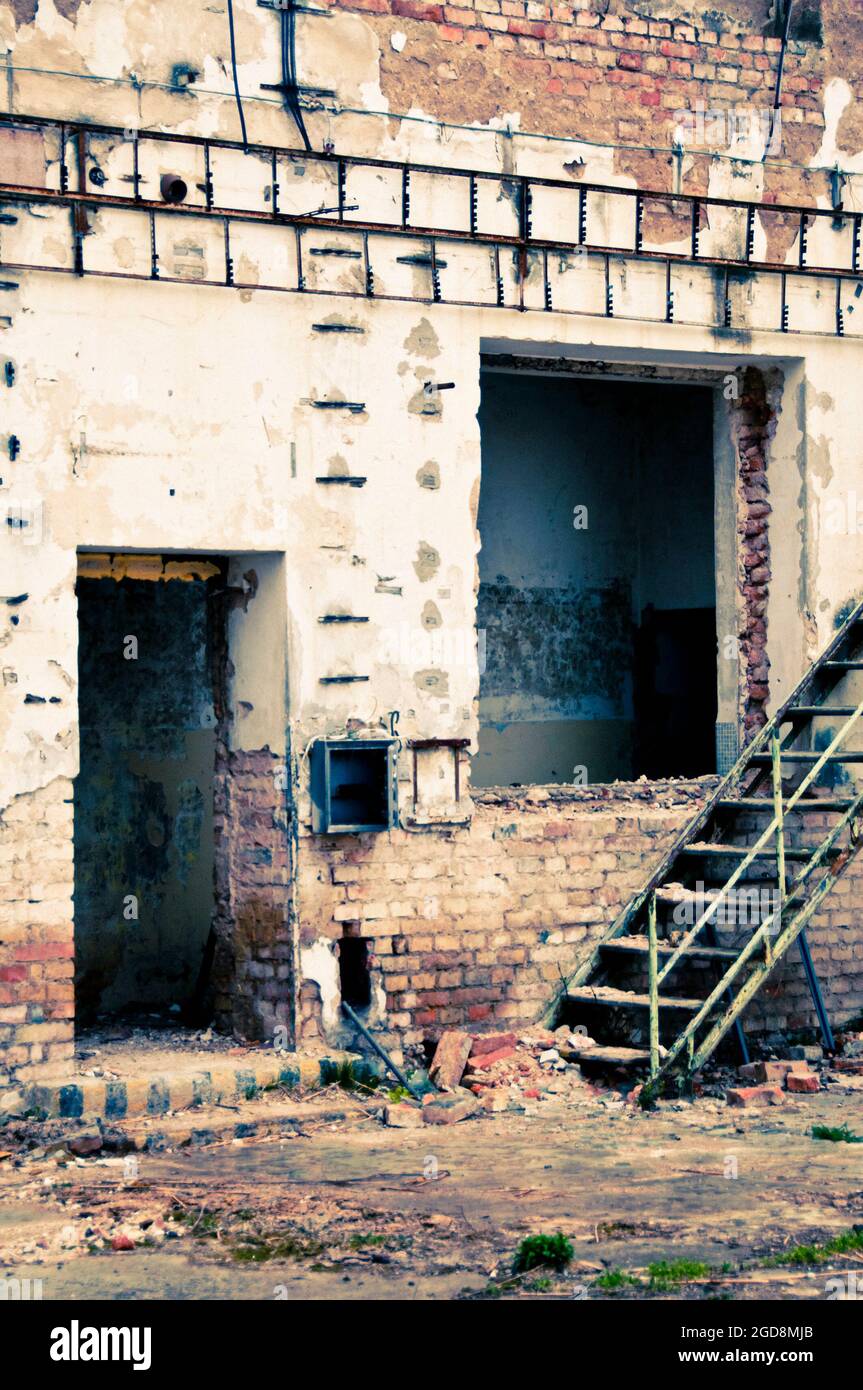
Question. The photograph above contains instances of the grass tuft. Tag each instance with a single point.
(848, 1243)
(840, 1134)
(665, 1274)
(616, 1279)
(536, 1251)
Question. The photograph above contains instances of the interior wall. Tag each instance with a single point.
(596, 504)
(144, 848)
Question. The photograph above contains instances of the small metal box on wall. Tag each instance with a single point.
(353, 785)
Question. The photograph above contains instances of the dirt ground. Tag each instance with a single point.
(693, 1200)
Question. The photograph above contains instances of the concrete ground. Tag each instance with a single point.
(336, 1205)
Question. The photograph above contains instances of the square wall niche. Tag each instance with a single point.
(353, 785)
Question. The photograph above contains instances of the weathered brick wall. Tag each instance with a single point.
(753, 417)
(473, 927)
(37, 1002)
(603, 73)
(253, 968)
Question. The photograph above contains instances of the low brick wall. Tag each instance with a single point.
(37, 995)
(470, 926)
(473, 927)
(253, 967)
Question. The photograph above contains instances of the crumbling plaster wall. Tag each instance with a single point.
(168, 417)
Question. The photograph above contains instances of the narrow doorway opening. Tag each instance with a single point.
(144, 824)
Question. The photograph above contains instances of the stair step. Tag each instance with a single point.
(696, 855)
(791, 757)
(677, 896)
(637, 946)
(614, 1056)
(765, 803)
(700, 849)
(622, 999)
(819, 711)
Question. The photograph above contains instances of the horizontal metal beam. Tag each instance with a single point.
(329, 220)
(366, 161)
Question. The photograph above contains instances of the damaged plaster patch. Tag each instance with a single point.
(124, 252)
(428, 476)
(838, 98)
(427, 563)
(431, 616)
(69, 8)
(24, 11)
(422, 341)
(432, 681)
(319, 964)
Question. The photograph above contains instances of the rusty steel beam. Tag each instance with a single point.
(14, 193)
(368, 161)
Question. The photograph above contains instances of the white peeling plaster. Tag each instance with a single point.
(837, 95)
(319, 964)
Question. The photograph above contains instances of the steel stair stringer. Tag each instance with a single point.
(766, 758)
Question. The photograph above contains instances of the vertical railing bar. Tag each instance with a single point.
(209, 195)
(435, 273)
(802, 240)
(525, 209)
(229, 260)
(367, 267)
(406, 196)
(653, 987)
(274, 180)
(778, 811)
(301, 279)
(784, 321)
(64, 168)
(154, 255)
(498, 278)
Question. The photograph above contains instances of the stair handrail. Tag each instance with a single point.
(635, 903)
(768, 834)
(818, 855)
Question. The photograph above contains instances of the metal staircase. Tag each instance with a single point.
(743, 878)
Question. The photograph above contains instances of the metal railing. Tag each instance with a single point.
(531, 218)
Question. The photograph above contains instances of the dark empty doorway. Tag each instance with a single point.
(597, 580)
(144, 794)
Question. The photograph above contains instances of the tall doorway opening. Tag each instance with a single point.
(597, 572)
(144, 824)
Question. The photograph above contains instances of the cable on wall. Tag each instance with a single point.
(236, 78)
